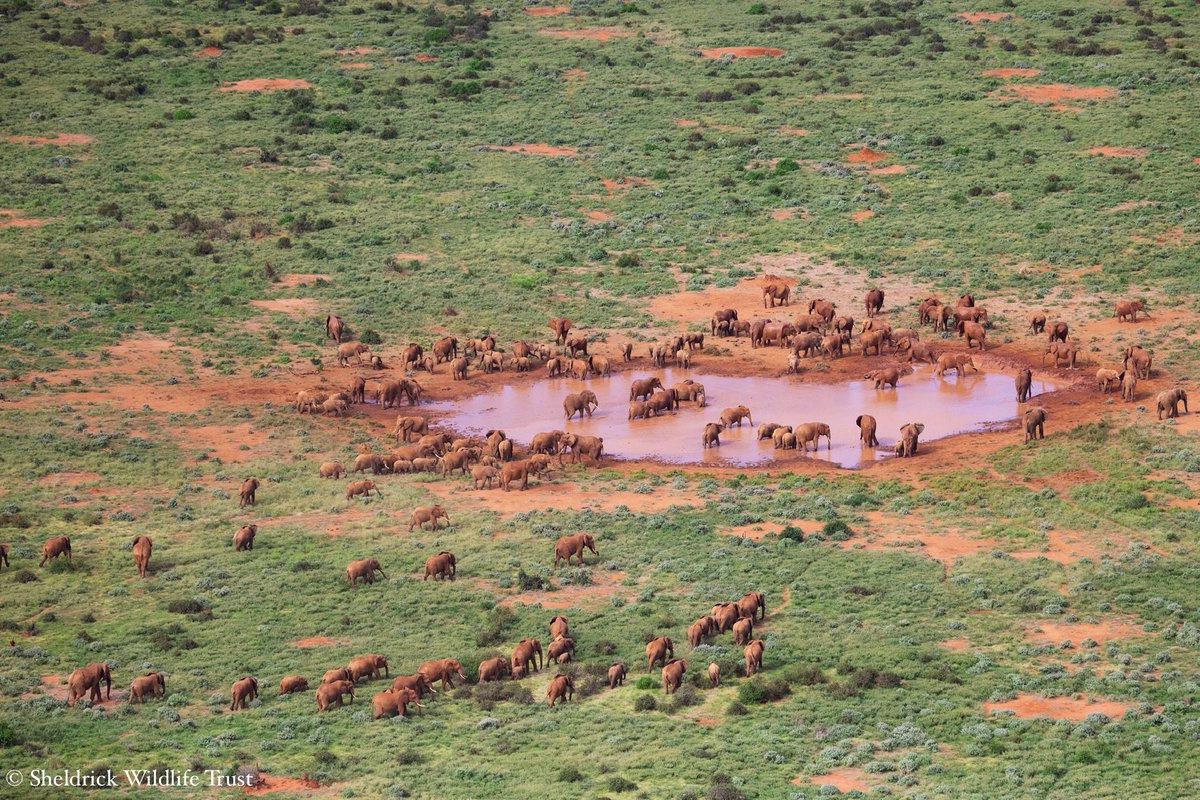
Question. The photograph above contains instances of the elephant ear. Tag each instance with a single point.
(858, 421)
(920, 426)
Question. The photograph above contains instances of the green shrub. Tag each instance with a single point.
(616, 783)
(645, 702)
(837, 530)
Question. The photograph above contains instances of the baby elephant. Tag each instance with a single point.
(1035, 420)
(424, 514)
(152, 684)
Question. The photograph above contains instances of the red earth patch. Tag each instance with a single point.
(595, 34)
(741, 52)
(547, 11)
(11, 218)
(1055, 94)
(1011, 72)
(57, 139)
(537, 149)
(266, 85)
(209, 52)
(1118, 152)
(976, 17)
(1076, 710)
(866, 156)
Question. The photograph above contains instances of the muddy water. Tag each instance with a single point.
(947, 406)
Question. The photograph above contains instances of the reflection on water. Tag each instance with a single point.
(946, 405)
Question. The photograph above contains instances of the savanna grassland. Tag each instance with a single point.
(171, 240)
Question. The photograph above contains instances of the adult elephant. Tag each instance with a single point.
(752, 605)
(442, 566)
(1169, 401)
(1035, 421)
(573, 545)
(443, 669)
(966, 299)
(561, 326)
(701, 628)
(407, 426)
(866, 430)
(393, 702)
(431, 514)
(364, 488)
(561, 687)
(329, 695)
(888, 376)
(660, 648)
(1128, 310)
(521, 470)
(711, 437)
(974, 333)
(246, 495)
(1107, 380)
(918, 351)
(725, 614)
(807, 344)
(494, 669)
(363, 568)
(812, 432)
(959, 362)
(1024, 383)
(334, 327)
(753, 653)
(365, 667)
(590, 446)
(767, 430)
(142, 546)
(972, 314)
(822, 308)
(757, 327)
(349, 350)
(1065, 354)
(734, 416)
(417, 682)
(642, 388)
(776, 292)
(87, 680)
(599, 365)
(909, 435)
(546, 442)
(244, 538)
(873, 301)
(559, 627)
(872, 340)
(445, 349)
(152, 684)
(1140, 360)
(925, 311)
(54, 547)
(290, 684)
(726, 315)
(458, 368)
(561, 650)
(577, 346)
(663, 401)
(242, 692)
(527, 651)
(833, 344)
(743, 630)
(690, 391)
(784, 439)
(778, 333)
(942, 317)
(672, 674)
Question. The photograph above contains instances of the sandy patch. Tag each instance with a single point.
(317, 641)
(1012, 72)
(1118, 152)
(596, 214)
(1129, 205)
(1055, 632)
(425, 58)
(956, 644)
(838, 96)
(537, 149)
(866, 156)
(547, 11)
(1056, 95)
(71, 478)
(293, 279)
(863, 214)
(794, 131)
(562, 497)
(846, 779)
(355, 65)
(783, 213)
(266, 85)
(11, 218)
(411, 256)
(356, 51)
(614, 185)
(1076, 710)
(575, 72)
(595, 34)
(209, 52)
(976, 17)
(56, 139)
(891, 169)
(292, 306)
(741, 52)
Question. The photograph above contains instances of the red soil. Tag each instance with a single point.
(844, 778)
(794, 131)
(1011, 72)
(356, 51)
(783, 213)
(575, 72)
(547, 11)
(297, 278)
(753, 530)
(1076, 710)
(355, 65)
(1129, 205)
(686, 123)
(537, 149)
(859, 216)
(891, 169)
(292, 306)
(266, 85)
(303, 787)
(1118, 152)
(866, 156)
(1055, 632)
(411, 256)
(425, 57)
(317, 641)
(956, 644)
(11, 218)
(595, 34)
(622, 184)
(209, 52)
(56, 139)
(741, 52)
(1055, 94)
(976, 17)
(596, 215)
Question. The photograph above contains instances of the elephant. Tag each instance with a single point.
(1059, 331)
(785, 439)
(642, 388)
(616, 674)
(1024, 383)
(807, 344)
(874, 301)
(822, 308)
(424, 464)
(714, 674)
(941, 321)
(752, 604)
(350, 350)
(437, 442)
(725, 315)
(658, 649)
(152, 684)
(242, 691)
(86, 680)
(561, 326)
(658, 354)
(459, 460)
(1128, 386)
(522, 349)
(412, 356)
(738, 327)
(559, 627)
(364, 568)
(925, 311)
(1169, 401)
(494, 669)
(600, 365)
(364, 488)
(54, 547)
(773, 292)
(377, 363)
(590, 446)
(380, 661)
(712, 435)
(694, 340)
(1064, 354)
(247, 492)
(734, 416)
(972, 314)
(967, 300)
(683, 358)
(725, 614)
(1037, 322)
(483, 475)
(561, 650)
(1107, 380)
(672, 674)
(959, 362)
(336, 406)
(290, 684)
(528, 651)
(521, 470)
(562, 687)
(573, 545)
(627, 352)
(332, 469)
(640, 409)
(577, 346)
(756, 331)
(578, 368)
(493, 440)
(406, 425)
(306, 402)
(393, 702)
(491, 361)
(1129, 309)
(244, 538)
(4, 555)
(417, 682)
(442, 565)
(445, 349)
(443, 669)
(974, 333)
(778, 332)
(918, 351)
(1141, 360)
(582, 403)
(902, 338)
(866, 430)
(743, 631)
(841, 324)
(767, 429)
(753, 653)
(333, 675)
(832, 345)
(358, 391)
(691, 391)
(888, 376)
(907, 446)
(458, 368)
(329, 695)
(700, 629)
(334, 327)
(812, 432)
(1035, 420)
(142, 546)
(423, 514)
(872, 340)
(368, 666)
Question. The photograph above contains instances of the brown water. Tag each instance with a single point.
(947, 405)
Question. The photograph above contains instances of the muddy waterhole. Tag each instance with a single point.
(947, 405)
